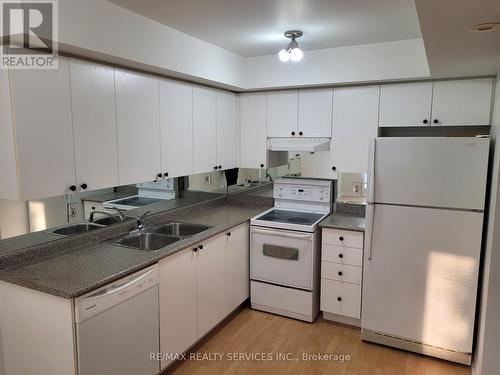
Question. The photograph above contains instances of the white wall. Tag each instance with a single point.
(104, 31)
(403, 59)
(487, 359)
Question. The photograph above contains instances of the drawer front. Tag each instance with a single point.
(341, 272)
(343, 238)
(341, 255)
(341, 298)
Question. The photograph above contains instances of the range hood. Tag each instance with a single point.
(299, 144)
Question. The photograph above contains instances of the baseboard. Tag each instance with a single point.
(417, 347)
(342, 319)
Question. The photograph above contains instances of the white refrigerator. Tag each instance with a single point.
(423, 243)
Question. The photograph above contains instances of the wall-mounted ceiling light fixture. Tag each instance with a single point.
(292, 51)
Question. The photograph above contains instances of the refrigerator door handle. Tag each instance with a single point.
(370, 211)
(371, 170)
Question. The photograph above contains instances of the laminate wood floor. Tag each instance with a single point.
(251, 332)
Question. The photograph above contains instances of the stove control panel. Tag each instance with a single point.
(319, 191)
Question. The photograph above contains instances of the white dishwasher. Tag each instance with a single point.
(117, 327)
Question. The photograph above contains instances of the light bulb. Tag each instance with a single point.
(296, 54)
(284, 55)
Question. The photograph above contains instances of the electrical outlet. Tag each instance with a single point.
(72, 212)
(208, 179)
(356, 188)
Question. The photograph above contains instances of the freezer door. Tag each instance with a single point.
(435, 172)
(420, 275)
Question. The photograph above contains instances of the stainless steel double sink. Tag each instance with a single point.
(158, 237)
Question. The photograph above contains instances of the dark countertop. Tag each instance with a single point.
(71, 273)
(344, 221)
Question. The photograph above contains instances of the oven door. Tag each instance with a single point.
(282, 257)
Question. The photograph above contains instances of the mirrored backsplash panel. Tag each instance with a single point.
(352, 188)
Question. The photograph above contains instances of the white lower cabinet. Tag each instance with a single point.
(178, 315)
(200, 286)
(341, 275)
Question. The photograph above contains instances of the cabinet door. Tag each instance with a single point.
(176, 123)
(354, 124)
(137, 115)
(43, 131)
(315, 113)
(227, 130)
(464, 102)
(253, 138)
(282, 113)
(8, 169)
(177, 291)
(238, 265)
(211, 283)
(205, 129)
(407, 104)
(94, 124)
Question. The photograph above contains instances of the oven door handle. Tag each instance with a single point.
(304, 236)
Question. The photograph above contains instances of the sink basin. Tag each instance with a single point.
(179, 229)
(146, 241)
(106, 221)
(76, 229)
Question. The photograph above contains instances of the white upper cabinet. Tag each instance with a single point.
(354, 124)
(138, 127)
(253, 139)
(315, 113)
(94, 125)
(176, 123)
(407, 104)
(463, 102)
(282, 115)
(43, 131)
(205, 129)
(8, 169)
(227, 130)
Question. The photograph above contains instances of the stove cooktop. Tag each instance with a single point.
(291, 217)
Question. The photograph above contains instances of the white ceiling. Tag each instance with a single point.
(255, 27)
(451, 50)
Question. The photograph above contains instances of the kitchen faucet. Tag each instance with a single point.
(120, 218)
(140, 220)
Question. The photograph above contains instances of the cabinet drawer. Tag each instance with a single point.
(341, 298)
(343, 238)
(341, 255)
(341, 272)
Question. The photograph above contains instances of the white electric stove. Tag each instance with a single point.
(285, 249)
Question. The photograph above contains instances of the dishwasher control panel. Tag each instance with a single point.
(103, 298)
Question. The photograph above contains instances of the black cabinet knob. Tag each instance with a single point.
(339, 299)
(228, 234)
(215, 168)
(435, 121)
(425, 121)
(262, 165)
(300, 133)
(293, 133)
(159, 175)
(334, 168)
(219, 167)
(200, 247)
(341, 238)
(340, 273)
(195, 249)
(165, 174)
(341, 255)
(72, 188)
(83, 186)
